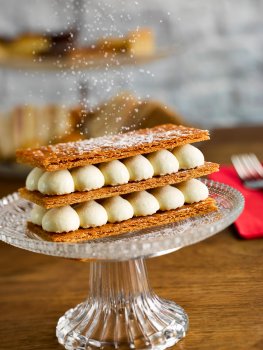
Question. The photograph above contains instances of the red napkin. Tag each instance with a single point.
(250, 222)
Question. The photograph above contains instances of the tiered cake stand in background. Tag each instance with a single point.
(121, 311)
(75, 66)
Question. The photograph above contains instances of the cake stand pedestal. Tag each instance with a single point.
(121, 311)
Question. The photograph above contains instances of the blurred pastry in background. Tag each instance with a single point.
(109, 116)
(28, 44)
(62, 43)
(126, 112)
(3, 51)
(140, 42)
(32, 126)
(38, 44)
(151, 113)
(7, 146)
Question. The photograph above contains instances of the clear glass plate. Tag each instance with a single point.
(121, 310)
(145, 243)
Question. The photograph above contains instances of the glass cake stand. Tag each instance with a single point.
(121, 311)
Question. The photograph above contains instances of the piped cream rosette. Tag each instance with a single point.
(115, 172)
(119, 208)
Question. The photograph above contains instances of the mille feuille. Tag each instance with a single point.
(115, 184)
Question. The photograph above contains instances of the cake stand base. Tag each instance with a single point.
(121, 312)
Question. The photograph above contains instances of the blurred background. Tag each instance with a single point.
(73, 69)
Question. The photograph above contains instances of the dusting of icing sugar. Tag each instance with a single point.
(119, 141)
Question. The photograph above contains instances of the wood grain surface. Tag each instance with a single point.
(219, 281)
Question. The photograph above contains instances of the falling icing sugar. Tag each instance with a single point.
(117, 142)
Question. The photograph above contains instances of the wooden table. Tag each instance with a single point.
(219, 281)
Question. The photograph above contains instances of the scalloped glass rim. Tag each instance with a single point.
(144, 243)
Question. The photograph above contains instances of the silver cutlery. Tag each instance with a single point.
(249, 169)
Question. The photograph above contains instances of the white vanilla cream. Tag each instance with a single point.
(56, 182)
(91, 214)
(63, 219)
(143, 203)
(118, 209)
(33, 178)
(169, 197)
(163, 162)
(87, 177)
(188, 156)
(114, 172)
(36, 214)
(139, 168)
(193, 190)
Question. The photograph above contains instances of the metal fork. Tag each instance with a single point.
(249, 169)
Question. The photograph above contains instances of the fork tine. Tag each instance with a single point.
(255, 163)
(251, 172)
(238, 165)
(247, 166)
(250, 165)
